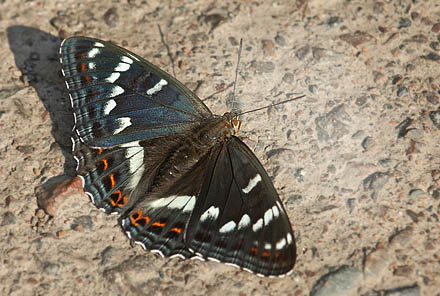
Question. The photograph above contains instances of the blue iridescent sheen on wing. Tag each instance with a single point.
(117, 97)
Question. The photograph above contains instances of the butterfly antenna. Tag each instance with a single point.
(236, 74)
(271, 105)
(170, 56)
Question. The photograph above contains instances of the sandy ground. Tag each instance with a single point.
(356, 162)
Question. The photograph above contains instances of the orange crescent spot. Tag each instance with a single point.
(124, 201)
(105, 164)
(135, 217)
(265, 254)
(113, 202)
(87, 78)
(100, 150)
(176, 229)
(158, 224)
(254, 251)
(112, 180)
(147, 219)
(83, 67)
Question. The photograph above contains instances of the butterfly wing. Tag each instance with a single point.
(224, 209)
(238, 217)
(159, 224)
(119, 102)
(118, 97)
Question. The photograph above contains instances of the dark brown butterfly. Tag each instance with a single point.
(183, 183)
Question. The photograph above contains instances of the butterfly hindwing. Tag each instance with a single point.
(159, 223)
(118, 97)
(238, 217)
(109, 175)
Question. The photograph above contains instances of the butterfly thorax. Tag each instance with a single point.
(170, 158)
(217, 129)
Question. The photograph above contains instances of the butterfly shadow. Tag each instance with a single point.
(36, 56)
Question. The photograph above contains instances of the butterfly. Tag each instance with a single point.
(183, 184)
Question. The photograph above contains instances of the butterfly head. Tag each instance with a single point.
(232, 122)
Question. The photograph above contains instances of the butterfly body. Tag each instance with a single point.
(184, 185)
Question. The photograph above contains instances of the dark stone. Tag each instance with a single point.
(357, 38)
(334, 21)
(368, 143)
(403, 127)
(333, 125)
(302, 52)
(432, 56)
(313, 88)
(402, 90)
(435, 118)
(404, 23)
(375, 181)
(85, 221)
(106, 255)
(341, 281)
(8, 219)
(288, 77)
(111, 17)
(264, 67)
(431, 97)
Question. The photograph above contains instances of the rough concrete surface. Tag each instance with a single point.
(356, 162)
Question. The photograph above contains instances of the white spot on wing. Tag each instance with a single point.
(122, 67)
(244, 221)
(93, 53)
(268, 246)
(177, 256)
(184, 202)
(158, 252)
(213, 259)
(275, 211)
(126, 60)
(116, 91)
(268, 216)
(252, 183)
(141, 244)
(92, 66)
(111, 104)
(289, 238)
(228, 227)
(124, 122)
(157, 88)
(113, 77)
(281, 243)
(211, 213)
(257, 225)
(197, 258)
(98, 44)
(135, 155)
(190, 205)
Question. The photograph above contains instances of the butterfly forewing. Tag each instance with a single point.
(148, 148)
(238, 217)
(117, 97)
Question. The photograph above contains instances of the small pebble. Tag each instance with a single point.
(416, 193)
(368, 143)
(402, 90)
